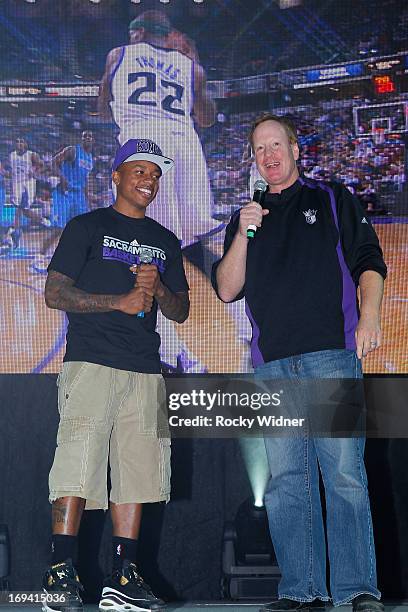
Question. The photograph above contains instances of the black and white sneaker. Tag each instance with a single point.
(12, 237)
(126, 591)
(7, 243)
(45, 222)
(62, 587)
(39, 265)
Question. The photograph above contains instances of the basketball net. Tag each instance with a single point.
(378, 135)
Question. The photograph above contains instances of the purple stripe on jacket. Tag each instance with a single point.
(256, 354)
(349, 301)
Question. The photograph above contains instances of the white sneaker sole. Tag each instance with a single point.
(113, 600)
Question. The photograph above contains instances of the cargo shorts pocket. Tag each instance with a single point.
(86, 391)
(68, 472)
(67, 380)
(150, 399)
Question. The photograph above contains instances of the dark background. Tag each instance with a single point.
(180, 547)
(67, 40)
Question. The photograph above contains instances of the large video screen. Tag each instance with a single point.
(77, 78)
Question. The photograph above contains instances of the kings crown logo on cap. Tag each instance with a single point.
(147, 146)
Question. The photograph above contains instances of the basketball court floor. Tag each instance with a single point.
(33, 336)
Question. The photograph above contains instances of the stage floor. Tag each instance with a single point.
(214, 607)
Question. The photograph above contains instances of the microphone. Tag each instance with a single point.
(146, 257)
(260, 188)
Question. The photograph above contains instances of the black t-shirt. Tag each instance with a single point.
(96, 251)
(302, 270)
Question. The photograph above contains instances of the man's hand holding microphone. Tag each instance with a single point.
(139, 300)
(252, 214)
(231, 270)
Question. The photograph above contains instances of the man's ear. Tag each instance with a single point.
(136, 36)
(116, 177)
(296, 150)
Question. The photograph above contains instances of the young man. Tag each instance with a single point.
(111, 392)
(299, 275)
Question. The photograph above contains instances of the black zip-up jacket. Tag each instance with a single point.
(303, 269)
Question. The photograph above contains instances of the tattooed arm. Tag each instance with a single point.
(61, 294)
(174, 306)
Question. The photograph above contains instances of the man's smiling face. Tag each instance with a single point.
(275, 155)
(137, 183)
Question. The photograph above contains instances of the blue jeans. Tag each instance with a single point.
(293, 504)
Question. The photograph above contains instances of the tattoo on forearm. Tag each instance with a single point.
(174, 306)
(62, 295)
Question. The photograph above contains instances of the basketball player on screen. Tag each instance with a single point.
(70, 197)
(24, 166)
(155, 87)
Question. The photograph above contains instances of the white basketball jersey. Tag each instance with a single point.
(21, 166)
(151, 83)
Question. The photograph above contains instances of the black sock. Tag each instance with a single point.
(64, 547)
(123, 548)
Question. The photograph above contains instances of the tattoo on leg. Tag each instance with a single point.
(59, 514)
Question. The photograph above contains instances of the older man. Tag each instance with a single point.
(299, 276)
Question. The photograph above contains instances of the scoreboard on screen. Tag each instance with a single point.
(388, 75)
(384, 84)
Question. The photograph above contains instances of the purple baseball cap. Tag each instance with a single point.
(142, 149)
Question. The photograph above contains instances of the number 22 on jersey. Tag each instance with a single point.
(147, 93)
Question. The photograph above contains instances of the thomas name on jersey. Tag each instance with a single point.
(167, 69)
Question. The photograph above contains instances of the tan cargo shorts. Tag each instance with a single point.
(112, 414)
